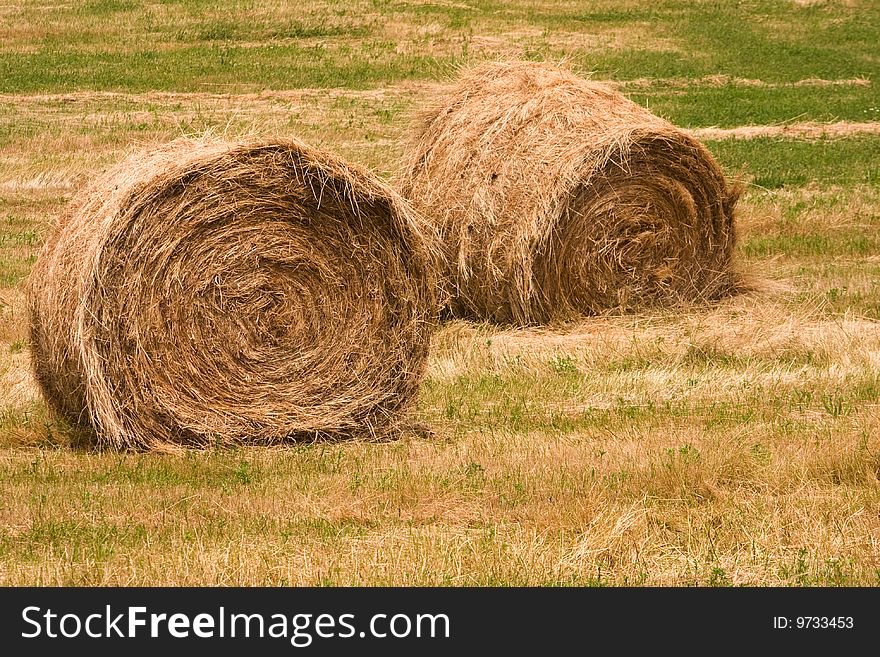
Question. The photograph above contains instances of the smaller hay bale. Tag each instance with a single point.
(217, 293)
(557, 197)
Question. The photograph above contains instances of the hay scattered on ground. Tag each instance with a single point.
(556, 197)
(213, 293)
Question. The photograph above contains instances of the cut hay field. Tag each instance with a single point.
(732, 445)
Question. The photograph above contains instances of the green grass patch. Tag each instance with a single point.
(846, 242)
(774, 163)
(765, 40)
(700, 105)
(134, 46)
(214, 66)
(527, 402)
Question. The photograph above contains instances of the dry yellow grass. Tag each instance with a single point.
(630, 507)
(671, 465)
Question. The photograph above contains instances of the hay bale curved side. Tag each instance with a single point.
(556, 197)
(208, 292)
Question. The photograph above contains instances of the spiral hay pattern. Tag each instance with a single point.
(557, 197)
(210, 292)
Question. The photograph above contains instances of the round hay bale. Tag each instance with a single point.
(557, 197)
(212, 293)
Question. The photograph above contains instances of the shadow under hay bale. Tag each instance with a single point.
(558, 197)
(212, 293)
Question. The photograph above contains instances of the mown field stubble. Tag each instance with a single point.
(737, 444)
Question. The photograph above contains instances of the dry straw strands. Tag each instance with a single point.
(556, 196)
(208, 292)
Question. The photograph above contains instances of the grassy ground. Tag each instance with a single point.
(738, 444)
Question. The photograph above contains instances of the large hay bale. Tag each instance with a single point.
(208, 292)
(556, 197)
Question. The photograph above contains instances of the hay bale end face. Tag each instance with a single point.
(557, 197)
(208, 292)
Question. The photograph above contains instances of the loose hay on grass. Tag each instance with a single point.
(557, 197)
(209, 292)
